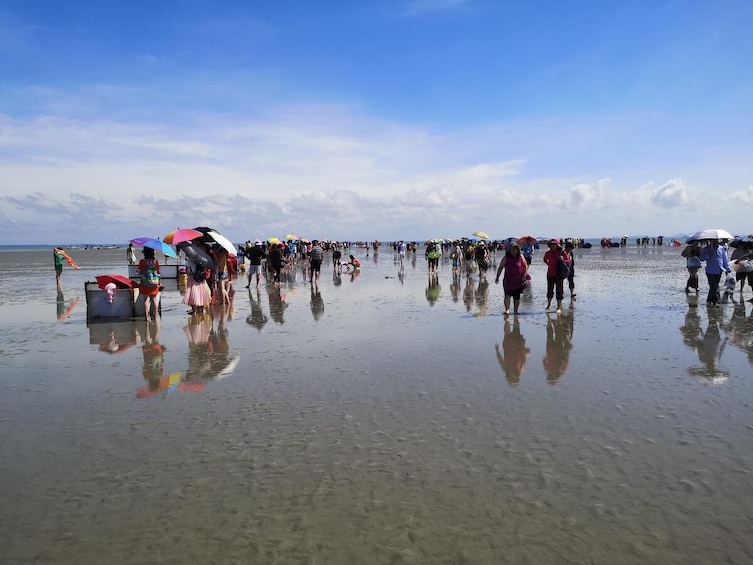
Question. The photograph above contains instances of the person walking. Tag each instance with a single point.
(692, 254)
(554, 278)
(316, 256)
(715, 257)
(515, 267)
(255, 254)
(569, 248)
(276, 260)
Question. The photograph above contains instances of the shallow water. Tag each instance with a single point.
(385, 420)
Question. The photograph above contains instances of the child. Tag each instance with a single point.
(355, 263)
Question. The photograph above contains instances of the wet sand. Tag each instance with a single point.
(383, 421)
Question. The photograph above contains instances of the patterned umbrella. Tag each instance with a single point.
(186, 234)
(156, 244)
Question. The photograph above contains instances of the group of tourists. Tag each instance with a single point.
(718, 264)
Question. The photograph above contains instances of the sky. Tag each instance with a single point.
(376, 119)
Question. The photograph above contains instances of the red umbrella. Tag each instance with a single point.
(119, 281)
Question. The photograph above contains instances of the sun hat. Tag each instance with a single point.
(555, 241)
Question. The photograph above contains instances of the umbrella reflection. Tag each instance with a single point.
(559, 333)
(512, 358)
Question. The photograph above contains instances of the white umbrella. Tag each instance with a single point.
(224, 242)
(710, 234)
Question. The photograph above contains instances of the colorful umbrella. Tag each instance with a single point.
(481, 235)
(156, 244)
(527, 240)
(274, 240)
(185, 234)
(120, 281)
(291, 236)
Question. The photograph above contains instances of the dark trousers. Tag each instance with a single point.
(713, 287)
(553, 283)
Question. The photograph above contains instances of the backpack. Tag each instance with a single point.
(563, 269)
(151, 276)
(200, 273)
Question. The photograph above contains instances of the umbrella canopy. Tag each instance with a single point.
(223, 242)
(274, 240)
(120, 281)
(742, 243)
(156, 244)
(527, 240)
(291, 236)
(710, 234)
(185, 234)
(213, 236)
(481, 235)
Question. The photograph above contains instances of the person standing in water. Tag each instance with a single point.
(716, 261)
(515, 267)
(131, 254)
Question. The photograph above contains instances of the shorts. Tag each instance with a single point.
(254, 270)
(316, 266)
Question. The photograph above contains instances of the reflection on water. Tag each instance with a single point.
(257, 317)
(317, 302)
(277, 303)
(433, 289)
(710, 343)
(64, 310)
(514, 354)
(559, 333)
(381, 434)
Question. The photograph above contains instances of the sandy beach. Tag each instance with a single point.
(378, 419)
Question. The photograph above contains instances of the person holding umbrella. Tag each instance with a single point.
(716, 261)
(150, 283)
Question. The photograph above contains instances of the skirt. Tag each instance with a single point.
(197, 293)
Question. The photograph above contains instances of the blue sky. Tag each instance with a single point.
(374, 119)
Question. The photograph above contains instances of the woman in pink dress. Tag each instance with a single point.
(515, 267)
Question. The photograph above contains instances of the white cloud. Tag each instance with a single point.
(671, 194)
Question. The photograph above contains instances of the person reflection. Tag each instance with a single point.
(337, 277)
(691, 329)
(739, 329)
(198, 331)
(433, 289)
(401, 273)
(152, 368)
(469, 291)
(219, 345)
(710, 349)
(277, 304)
(512, 358)
(559, 333)
(482, 294)
(257, 318)
(455, 286)
(62, 310)
(317, 302)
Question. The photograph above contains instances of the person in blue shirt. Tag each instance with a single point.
(715, 257)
